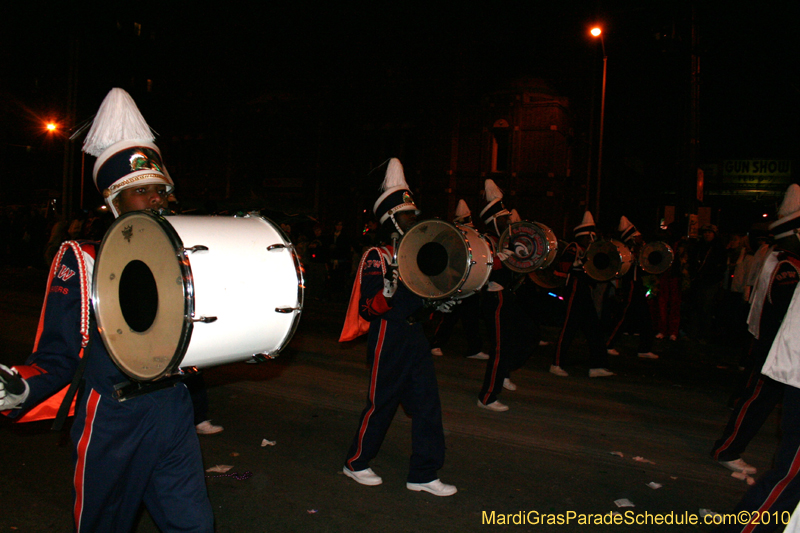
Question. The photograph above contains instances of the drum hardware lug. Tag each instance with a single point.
(204, 319)
(286, 309)
(272, 247)
(198, 248)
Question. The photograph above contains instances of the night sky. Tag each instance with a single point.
(384, 60)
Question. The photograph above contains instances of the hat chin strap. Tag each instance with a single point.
(396, 225)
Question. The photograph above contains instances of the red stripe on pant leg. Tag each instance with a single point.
(739, 419)
(82, 449)
(497, 346)
(622, 318)
(776, 491)
(372, 383)
(566, 321)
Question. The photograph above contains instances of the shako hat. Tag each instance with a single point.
(494, 206)
(395, 196)
(788, 222)
(627, 231)
(586, 227)
(123, 144)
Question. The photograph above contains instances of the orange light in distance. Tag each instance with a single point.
(596, 31)
(51, 126)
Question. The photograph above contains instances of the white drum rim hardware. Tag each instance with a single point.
(422, 281)
(156, 343)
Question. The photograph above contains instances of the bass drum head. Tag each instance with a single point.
(656, 257)
(603, 261)
(139, 296)
(433, 259)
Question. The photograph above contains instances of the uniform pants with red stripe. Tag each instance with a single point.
(779, 489)
(498, 313)
(401, 373)
(143, 450)
(581, 315)
(752, 410)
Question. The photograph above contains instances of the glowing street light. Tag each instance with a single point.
(598, 32)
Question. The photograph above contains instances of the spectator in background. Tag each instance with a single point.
(340, 258)
(316, 264)
(667, 303)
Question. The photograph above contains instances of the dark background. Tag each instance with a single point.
(258, 105)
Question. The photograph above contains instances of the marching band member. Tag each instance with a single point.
(398, 353)
(772, 288)
(774, 320)
(581, 311)
(502, 317)
(468, 311)
(634, 309)
(145, 449)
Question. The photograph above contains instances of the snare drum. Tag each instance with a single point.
(194, 291)
(437, 260)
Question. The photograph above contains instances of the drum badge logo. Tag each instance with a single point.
(407, 198)
(127, 233)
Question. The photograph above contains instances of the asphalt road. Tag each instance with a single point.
(567, 445)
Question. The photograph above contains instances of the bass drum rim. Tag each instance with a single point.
(408, 266)
(110, 317)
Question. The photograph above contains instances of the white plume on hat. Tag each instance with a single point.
(492, 191)
(462, 209)
(586, 226)
(395, 178)
(626, 229)
(788, 222)
(588, 220)
(791, 201)
(118, 119)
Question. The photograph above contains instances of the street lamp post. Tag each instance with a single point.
(597, 32)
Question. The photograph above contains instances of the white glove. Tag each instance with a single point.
(8, 400)
(447, 307)
(390, 285)
(505, 254)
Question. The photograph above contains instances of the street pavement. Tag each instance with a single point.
(567, 445)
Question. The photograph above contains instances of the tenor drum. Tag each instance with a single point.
(437, 260)
(194, 291)
(534, 246)
(606, 260)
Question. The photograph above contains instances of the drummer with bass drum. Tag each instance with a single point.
(143, 450)
(504, 319)
(633, 311)
(581, 313)
(399, 355)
